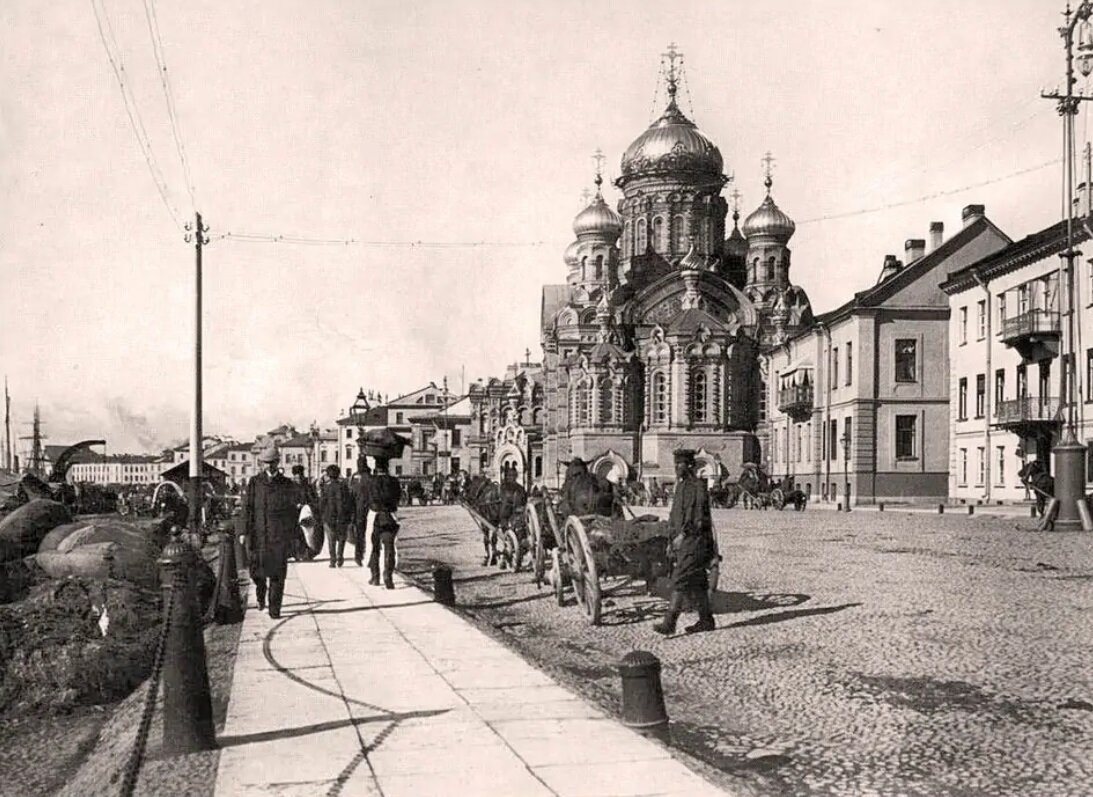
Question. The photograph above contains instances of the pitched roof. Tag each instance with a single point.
(375, 416)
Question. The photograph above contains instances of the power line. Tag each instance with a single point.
(935, 195)
(136, 123)
(168, 95)
(244, 237)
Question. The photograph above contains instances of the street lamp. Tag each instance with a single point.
(358, 413)
(312, 454)
(846, 469)
(1069, 453)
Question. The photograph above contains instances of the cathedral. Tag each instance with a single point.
(652, 343)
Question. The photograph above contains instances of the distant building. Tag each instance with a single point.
(441, 440)
(506, 424)
(241, 463)
(117, 468)
(861, 395)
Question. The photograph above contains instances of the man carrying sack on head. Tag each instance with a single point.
(269, 523)
(384, 492)
(691, 527)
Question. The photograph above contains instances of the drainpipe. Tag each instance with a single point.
(826, 432)
(988, 390)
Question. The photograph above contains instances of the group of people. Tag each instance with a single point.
(271, 513)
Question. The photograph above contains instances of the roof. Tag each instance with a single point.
(182, 471)
(375, 416)
(554, 298)
(1037, 246)
(457, 411)
(242, 447)
(299, 441)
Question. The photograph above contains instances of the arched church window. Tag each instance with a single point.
(599, 267)
(706, 234)
(658, 234)
(770, 268)
(678, 238)
(626, 232)
(642, 237)
(581, 405)
(699, 396)
(660, 398)
(607, 401)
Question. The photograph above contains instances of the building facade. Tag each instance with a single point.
(652, 343)
(118, 469)
(1008, 333)
(506, 424)
(858, 402)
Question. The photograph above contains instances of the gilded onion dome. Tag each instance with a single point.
(598, 219)
(672, 144)
(769, 220)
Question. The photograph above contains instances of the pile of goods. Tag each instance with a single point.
(382, 444)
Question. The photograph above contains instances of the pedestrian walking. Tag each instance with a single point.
(309, 544)
(335, 509)
(360, 514)
(269, 522)
(691, 527)
(384, 492)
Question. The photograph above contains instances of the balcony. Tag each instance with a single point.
(1034, 334)
(796, 401)
(1029, 415)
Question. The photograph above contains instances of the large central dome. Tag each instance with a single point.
(672, 144)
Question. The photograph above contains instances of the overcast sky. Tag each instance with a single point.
(451, 121)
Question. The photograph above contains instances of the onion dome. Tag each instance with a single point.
(598, 219)
(571, 257)
(736, 245)
(672, 144)
(769, 220)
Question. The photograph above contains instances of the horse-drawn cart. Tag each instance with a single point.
(505, 544)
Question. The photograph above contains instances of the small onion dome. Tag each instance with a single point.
(672, 144)
(598, 219)
(736, 245)
(768, 219)
(571, 257)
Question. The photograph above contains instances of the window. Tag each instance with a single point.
(349, 433)
(398, 418)
(833, 440)
(1045, 379)
(349, 453)
(905, 436)
(1000, 476)
(322, 455)
(980, 394)
(963, 325)
(849, 363)
(1022, 381)
(699, 406)
(906, 365)
(1089, 373)
(677, 234)
(980, 466)
(643, 241)
(846, 433)
(398, 470)
(962, 400)
(835, 368)
(762, 400)
(660, 398)
(658, 234)
(799, 447)
(1022, 299)
(1001, 311)
(962, 463)
(457, 437)
(455, 465)
(999, 388)
(981, 319)
(607, 401)
(424, 468)
(538, 469)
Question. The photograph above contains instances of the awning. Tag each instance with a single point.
(799, 372)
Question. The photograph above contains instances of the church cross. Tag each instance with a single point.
(672, 55)
(736, 197)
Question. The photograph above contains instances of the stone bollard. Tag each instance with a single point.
(941, 509)
(880, 506)
(642, 695)
(187, 701)
(443, 590)
(228, 608)
(839, 506)
(971, 509)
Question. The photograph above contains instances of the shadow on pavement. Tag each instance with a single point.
(322, 727)
(732, 602)
(792, 614)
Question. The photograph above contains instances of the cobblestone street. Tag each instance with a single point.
(858, 653)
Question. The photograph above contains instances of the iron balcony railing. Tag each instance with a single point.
(1031, 322)
(1029, 409)
(795, 398)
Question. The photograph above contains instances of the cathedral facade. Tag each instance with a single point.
(652, 343)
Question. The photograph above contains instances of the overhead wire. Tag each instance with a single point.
(168, 95)
(132, 110)
(247, 237)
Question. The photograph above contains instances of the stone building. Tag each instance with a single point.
(507, 424)
(652, 343)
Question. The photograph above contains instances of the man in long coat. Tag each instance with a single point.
(360, 514)
(307, 496)
(336, 509)
(691, 527)
(269, 521)
(383, 502)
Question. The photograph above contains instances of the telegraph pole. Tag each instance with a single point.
(7, 427)
(196, 454)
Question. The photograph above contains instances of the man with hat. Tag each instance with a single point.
(691, 526)
(336, 510)
(269, 523)
(384, 492)
(360, 514)
(306, 497)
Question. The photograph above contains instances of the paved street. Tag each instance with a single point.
(859, 653)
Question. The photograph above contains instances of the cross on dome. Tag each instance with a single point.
(768, 169)
(672, 55)
(599, 158)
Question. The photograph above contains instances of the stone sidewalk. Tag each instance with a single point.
(358, 690)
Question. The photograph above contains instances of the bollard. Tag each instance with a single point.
(941, 509)
(1032, 511)
(187, 701)
(642, 695)
(443, 591)
(839, 506)
(881, 506)
(228, 608)
(971, 509)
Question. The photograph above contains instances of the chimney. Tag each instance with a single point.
(973, 213)
(937, 233)
(891, 267)
(913, 249)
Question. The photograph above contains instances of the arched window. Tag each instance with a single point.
(643, 241)
(660, 398)
(699, 396)
(678, 238)
(658, 234)
(626, 231)
(607, 401)
(581, 408)
(599, 267)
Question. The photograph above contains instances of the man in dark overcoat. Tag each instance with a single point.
(360, 514)
(384, 491)
(306, 495)
(691, 527)
(335, 508)
(269, 521)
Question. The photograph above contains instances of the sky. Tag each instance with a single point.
(448, 122)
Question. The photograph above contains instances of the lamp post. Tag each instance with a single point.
(846, 471)
(312, 454)
(358, 413)
(1070, 453)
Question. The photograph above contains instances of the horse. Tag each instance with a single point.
(483, 495)
(1035, 477)
(797, 498)
(584, 494)
(754, 487)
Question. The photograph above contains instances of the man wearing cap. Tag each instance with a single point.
(335, 509)
(691, 526)
(360, 514)
(384, 492)
(269, 522)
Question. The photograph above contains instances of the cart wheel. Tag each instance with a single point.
(777, 498)
(535, 540)
(586, 580)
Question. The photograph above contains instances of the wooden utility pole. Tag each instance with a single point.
(7, 427)
(197, 493)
